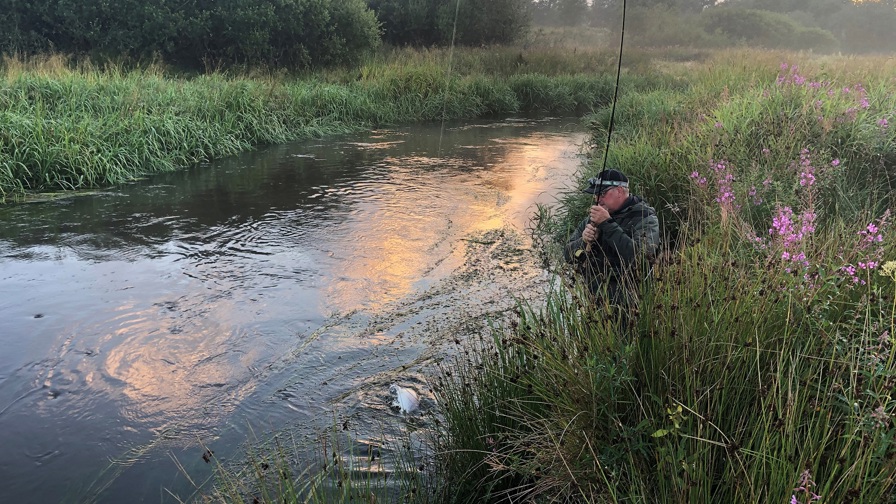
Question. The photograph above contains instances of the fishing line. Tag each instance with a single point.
(615, 91)
(448, 77)
(600, 187)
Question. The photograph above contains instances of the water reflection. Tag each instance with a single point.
(166, 305)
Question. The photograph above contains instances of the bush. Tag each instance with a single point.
(418, 22)
(814, 39)
(664, 26)
(764, 29)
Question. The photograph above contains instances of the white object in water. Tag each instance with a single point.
(405, 398)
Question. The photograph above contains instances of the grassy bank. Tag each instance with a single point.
(759, 366)
(70, 126)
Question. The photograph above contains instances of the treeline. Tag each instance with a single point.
(277, 33)
(297, 34)
(821, 25)
(464, 22)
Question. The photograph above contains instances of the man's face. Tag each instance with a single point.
(612, 198)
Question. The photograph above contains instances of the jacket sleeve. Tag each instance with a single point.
(575, 243)
(644, 242)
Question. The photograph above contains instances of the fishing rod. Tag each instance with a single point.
(600, 187)
(448, 77)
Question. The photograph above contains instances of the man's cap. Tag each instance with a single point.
(606, 180)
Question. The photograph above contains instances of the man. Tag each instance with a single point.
(618, 240)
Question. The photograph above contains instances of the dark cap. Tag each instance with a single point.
(605, 181)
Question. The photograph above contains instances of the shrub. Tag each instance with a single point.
(418, 22)
(285, 33)
(764, 29)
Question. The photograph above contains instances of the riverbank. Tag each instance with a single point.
(760, 364)
(70, 126)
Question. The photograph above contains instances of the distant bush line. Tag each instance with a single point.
(194, 33)
(291, 34)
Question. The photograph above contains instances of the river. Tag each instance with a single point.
(284, 288)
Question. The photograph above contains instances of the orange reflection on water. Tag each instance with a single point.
(173, 371)
(419, 218)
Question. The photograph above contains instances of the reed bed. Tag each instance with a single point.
(759, 365)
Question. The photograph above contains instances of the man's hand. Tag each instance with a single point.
(590, 233)
(597, 215)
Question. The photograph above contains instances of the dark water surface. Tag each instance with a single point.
(281, 288)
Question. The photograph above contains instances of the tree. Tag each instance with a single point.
(467, 22)
(484, 22)
(281, 33)
(572, 12)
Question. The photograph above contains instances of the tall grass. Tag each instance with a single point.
(333, 468)
(759, 365)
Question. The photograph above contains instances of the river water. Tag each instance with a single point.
(283, 288)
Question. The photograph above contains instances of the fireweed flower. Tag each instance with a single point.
(724, 178)
(757, 200)
(807, 171)
(871, 234)
(871, 251)
(701, 181)
(835, 163)
(882, 122)
(790, 232)
(805, 487)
